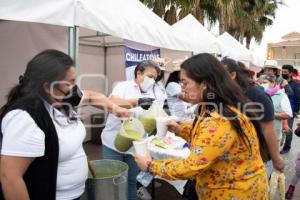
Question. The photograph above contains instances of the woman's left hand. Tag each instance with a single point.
(143, 161)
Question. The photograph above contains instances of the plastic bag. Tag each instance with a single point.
(131, 130)
(148, 117)
(145, 178)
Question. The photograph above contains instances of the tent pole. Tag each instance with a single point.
(105, 61)
(74, 46)
(71, 42)
(76, 50)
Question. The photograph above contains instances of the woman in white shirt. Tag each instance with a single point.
(159, 90)
(135, 92)
(41, 154)
(176, 105)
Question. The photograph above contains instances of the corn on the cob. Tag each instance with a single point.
(277, 181)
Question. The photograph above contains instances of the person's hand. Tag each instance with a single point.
(145, 102)
(121, 112)
(278, 164)
(143, 161)
(173, 126)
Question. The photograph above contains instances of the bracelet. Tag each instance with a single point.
(148, 166)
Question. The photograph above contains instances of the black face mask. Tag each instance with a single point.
(73, 96)
(285, 76)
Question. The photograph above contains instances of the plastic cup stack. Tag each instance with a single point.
(161, 126)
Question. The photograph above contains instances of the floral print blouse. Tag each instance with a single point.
(223, 166)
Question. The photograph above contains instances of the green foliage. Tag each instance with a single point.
(241, 18)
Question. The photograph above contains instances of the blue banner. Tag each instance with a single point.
(134, 56)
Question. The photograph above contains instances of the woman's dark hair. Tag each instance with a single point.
(46, 67)
(160, 76)
(221, 91)
(174, 77)
(243, 76)
(145, 64)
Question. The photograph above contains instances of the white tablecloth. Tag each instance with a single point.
(159, 153)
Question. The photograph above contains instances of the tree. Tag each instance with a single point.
(251, 18)
(240, 18)
(167, 9)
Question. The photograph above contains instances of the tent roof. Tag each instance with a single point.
(235, 49)
(202, 39)
(57, 12)
(130, 20)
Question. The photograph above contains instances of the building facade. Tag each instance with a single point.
(286, 51)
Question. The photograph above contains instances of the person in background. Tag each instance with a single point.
(138, 95)
(287, 72)
(271, 67)
(41, 153)
(257, 95)
(159, 90)
(295, 75)
(272, 91)
(224, 141)
(280, 101)
(290, 192)
(177, 107)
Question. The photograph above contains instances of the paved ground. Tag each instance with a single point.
(289, 159)
(166, 191)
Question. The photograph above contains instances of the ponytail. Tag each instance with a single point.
(46, 67)
(14, 94)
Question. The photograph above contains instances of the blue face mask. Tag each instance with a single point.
(265, 86)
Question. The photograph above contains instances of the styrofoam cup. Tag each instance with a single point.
(140, 147)
(161, 126)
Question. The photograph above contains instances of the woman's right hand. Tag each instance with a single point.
(278, 164)
(173, 126)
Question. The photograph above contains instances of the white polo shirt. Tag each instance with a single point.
(159, 92)
(124, 90)
(22, 137)
(176, 106)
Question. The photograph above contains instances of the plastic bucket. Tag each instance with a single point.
(110, 182)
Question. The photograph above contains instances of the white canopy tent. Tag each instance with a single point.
(202, 39)
(235, 49)
(56, 12)
(129, 20)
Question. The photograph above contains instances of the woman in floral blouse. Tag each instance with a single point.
(225, 159)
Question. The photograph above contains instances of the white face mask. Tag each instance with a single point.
(147, 83)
